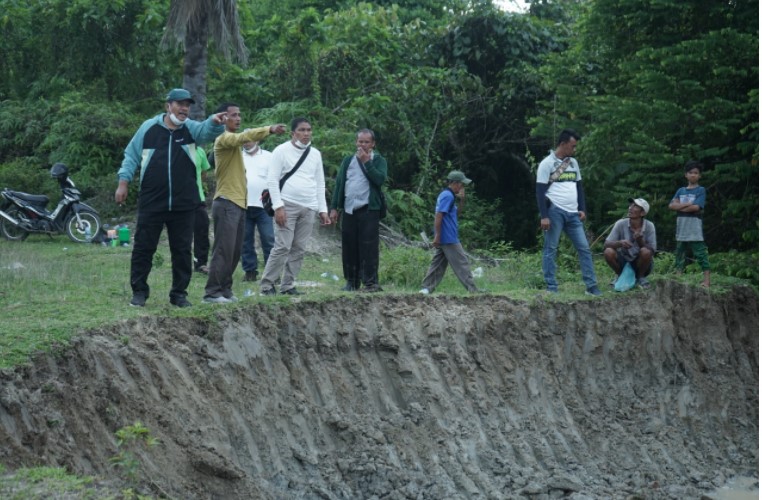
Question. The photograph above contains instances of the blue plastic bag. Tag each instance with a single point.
(626, 279)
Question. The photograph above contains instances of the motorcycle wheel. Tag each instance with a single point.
(11, 232)
(78, 231)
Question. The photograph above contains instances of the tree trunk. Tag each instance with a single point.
(194, 66)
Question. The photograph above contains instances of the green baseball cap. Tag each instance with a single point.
(458, 176)
(180, 95)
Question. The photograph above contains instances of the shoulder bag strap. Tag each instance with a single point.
(296, 167)
(559, 170)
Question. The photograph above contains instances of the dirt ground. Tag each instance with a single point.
(645, 395)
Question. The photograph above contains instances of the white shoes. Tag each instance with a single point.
(218, 300)
(424, 291)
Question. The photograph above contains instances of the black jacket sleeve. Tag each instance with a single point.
(542, 203)
(580, 197)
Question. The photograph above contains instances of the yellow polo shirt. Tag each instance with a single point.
(228, 163)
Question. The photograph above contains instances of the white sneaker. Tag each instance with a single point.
(424, 291)
(217, 300)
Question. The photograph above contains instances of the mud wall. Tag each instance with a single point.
(652, 394)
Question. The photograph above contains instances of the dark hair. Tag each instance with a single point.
(224, 107)
(366, 131)
(297, 121)
(566, 135)
(693, 164)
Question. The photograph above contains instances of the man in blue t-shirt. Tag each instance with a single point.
(448, 249)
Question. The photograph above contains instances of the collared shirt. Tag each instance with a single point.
(228, 163)
(202, 164)
(623, 231)
(357, 189)
(257, 167)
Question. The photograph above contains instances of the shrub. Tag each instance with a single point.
(403, 266)
(743, 265)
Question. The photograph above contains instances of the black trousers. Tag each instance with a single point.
(201, 236)
(180, 235)
(359, 247)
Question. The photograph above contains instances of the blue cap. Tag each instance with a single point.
(180, 95)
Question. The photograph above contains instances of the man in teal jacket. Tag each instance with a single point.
(164, 149)
(358, 195)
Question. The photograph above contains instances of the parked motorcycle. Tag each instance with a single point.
(22, 213)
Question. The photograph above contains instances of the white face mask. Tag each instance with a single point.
(299, 144)
(175, 119)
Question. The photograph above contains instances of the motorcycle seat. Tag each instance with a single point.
(35, 199)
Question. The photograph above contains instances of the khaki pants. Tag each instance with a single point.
(290, 244)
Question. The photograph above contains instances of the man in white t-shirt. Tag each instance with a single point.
(296, 204)
(256, 161)
(561, 201)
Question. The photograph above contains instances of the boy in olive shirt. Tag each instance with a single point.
(688, 202)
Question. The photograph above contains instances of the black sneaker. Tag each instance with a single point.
(250, 276)
(372, 289)
(291, 291)
(593, 290)
(180, 302)
(348, 288)
(138, 300)
(269, 291)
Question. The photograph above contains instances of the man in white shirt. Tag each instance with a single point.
(561, 201)
(257, 162)
(301, 197)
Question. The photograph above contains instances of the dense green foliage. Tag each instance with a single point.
(649, 84)
(653, 84)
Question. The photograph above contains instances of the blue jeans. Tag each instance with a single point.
(570, 223)
(256, 218)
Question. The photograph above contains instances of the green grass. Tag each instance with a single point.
(53, 289)
(45, 482)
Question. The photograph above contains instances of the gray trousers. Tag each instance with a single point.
(455, 256)
(229, 221)
(290, 244)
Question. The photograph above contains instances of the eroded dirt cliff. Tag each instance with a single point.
(653, 394)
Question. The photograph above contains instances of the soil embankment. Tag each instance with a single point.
(649, 394)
